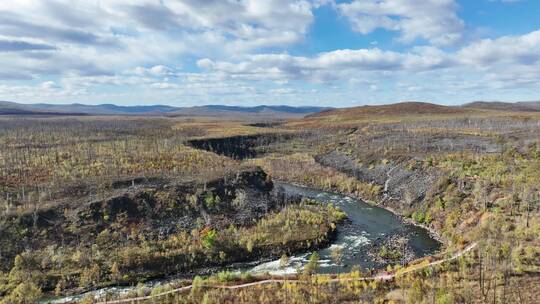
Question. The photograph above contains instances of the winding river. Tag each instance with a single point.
(366, 226)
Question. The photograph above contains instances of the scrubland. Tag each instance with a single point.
(471, 176)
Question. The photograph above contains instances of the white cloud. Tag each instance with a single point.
(49, 85)
(433, 20)
(98, 37)
(502, 54)
(283, 91)
(329, 65)
(156, 71)
(164, 85)
(507, 63)
(517, 50)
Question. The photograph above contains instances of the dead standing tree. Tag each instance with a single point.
(531, 198)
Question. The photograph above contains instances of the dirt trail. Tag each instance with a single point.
(381, 277)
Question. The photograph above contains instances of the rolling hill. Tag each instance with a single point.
(403, 108)
(531, 106)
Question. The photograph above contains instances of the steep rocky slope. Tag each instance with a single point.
(402, 186)
(240, 147)
(160, 228)
(155, 208)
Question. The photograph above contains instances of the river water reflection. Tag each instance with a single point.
(368, 224)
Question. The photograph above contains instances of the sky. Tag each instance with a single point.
(251, 52)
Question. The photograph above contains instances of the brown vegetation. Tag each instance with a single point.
(397, 109)
(470, 175)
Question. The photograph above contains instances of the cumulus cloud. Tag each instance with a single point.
(109, 36)
(510, 62)
(514, 51)
(164, 85)
(433, 20)
(329, 65)
(49, 85)
(157, 71)
(520, 50)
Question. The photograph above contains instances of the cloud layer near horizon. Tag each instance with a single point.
(241, 52)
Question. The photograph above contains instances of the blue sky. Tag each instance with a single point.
(249, 52)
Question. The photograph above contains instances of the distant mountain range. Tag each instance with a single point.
(263, 111)
(13, 108)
